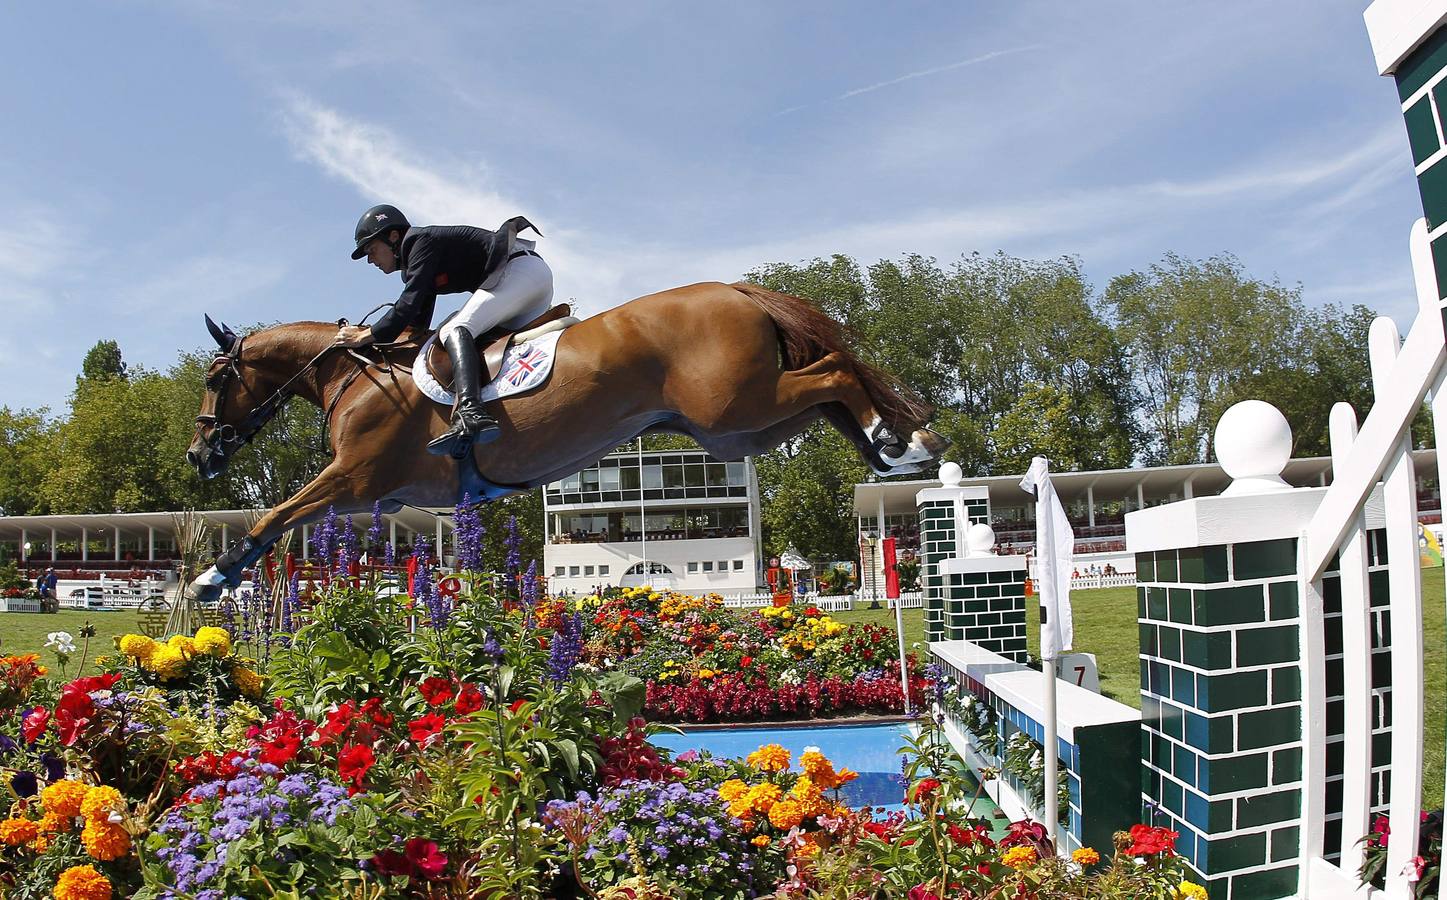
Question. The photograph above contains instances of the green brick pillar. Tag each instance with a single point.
(945, 514)
(984, 596)
(1220, 665)
(1411, 47)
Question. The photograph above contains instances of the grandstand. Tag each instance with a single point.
(1096, 503)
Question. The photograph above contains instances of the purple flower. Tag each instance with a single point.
(491, 648)
(530, 585)
(390, 555)
(347, 551)
(566, 647)
(513, 560)
(437, 606)
(324, 539)
(24, 784)
(374, 532)
(467, 536)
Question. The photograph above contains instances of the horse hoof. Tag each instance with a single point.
(203, 593)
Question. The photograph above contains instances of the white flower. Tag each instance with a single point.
(60, 641)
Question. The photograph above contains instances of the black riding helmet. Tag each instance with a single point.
(378, 221)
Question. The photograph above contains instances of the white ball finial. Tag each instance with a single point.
(951, 474)
(980, 540)
(1253, 445)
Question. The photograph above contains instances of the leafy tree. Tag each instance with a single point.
(1196, 330)
(102, 362)
(26, 453)
(807, 495)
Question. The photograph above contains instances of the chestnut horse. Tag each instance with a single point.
(738, 368)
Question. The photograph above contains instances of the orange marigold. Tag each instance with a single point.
(786, 814)
(82, 883)
(760, 840)
(769, 758)
(761, 797)
(1020, 857)
(15, 832)
(1085, 856)
(100, 802)
(731, 790)
(55, 823)
(105, 841)
(63, 797)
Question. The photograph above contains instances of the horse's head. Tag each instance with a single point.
(223, 425)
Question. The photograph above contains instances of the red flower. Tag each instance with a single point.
(425, 859)
(425, 728)
(812, 611)
(373, 710)
(920, 892)
(923, 790)
(1148, 841)
(93, 683)
(281, 748)
(390, 862)
(960, 835)
(72, 714)
(353, 764)
(436, 691)
(32, 726)
(517, 705)
(745, 662)
(336, 724)
(469, 700)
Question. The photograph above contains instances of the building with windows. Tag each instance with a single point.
(674, 518)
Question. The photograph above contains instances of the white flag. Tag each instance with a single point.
(1054, 559)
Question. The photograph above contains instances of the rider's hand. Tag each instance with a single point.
(353, 336)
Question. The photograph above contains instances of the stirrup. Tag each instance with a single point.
(457, 441)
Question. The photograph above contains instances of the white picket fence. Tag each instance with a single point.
(842, 603)
(1091, 582)
(1402, 375)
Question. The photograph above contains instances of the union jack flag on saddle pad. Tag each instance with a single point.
(524, 367)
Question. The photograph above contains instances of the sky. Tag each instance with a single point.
(160, 160)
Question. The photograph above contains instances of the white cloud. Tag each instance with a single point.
(922, 73)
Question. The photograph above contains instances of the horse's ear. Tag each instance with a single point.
(223, 336)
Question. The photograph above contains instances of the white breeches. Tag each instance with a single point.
(523, 292)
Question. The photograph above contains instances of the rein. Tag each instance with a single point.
(226, 439)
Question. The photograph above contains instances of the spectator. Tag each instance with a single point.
(46, 583)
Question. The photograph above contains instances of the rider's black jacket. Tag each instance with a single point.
(444, 259)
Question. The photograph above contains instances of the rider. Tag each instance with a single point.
(509, 282)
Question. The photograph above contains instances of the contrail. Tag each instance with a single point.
(994, 54)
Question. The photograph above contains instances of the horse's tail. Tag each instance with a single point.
(806, 335)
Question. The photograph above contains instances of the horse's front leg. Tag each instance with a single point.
(331, 488)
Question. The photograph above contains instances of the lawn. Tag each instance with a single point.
(25, 633)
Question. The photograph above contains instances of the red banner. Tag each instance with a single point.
(891, 574)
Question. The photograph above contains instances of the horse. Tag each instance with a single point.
(738, 368)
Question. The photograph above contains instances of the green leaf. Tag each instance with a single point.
(625, 694)
(569, 750)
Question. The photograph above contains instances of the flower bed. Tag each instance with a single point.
(472, 757)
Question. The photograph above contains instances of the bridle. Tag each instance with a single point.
(223, 438)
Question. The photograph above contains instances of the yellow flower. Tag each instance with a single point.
(761, 797)
(18, 831)
(706, 673)
(786, 813)
(63, 798)
(247, 681)
(168, 662)
(1020, 857)
(101, 802)
(1191, 891)
(55, 823)
(731, 790)
(137, 646)
(760, 840)
(105, 841)
(41, 842)
(186, 645)
(82, 883)
(1085, 856)
(213, 641)
(769, 758)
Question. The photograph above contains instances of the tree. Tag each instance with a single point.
(26, 452)
(1195, 331)
(807, 495)
(102, 362)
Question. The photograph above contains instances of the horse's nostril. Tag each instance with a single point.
(193, 457)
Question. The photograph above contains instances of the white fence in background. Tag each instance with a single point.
(1091, 582)
(841, 603)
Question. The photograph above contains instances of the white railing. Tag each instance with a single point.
(838, 603)
(1091, 582)
(1402, 375)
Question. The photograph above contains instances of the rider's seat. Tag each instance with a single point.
(493, 344)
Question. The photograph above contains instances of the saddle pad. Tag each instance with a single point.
(524, 367)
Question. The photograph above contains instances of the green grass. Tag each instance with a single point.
(25, 633)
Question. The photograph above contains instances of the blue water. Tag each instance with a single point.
(870, 750)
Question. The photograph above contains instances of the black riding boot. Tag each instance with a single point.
(471, 423)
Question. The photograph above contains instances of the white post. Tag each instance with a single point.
(392, 534)
(642, 519)
(151, 543)
(878, 573)
(225, 536)
(437, 548)
(1190, 488)
(1140, 495)
(54, 556)
(84, 544)
(24, 545)
(1090, 503)
(118, 543)
(306, 544)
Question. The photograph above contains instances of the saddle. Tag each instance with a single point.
(492, 345)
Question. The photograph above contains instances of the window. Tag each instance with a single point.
(559, 570)
(693, 568)
(708, 566)
(738, 474)
(653, 477)
(588, 570)
(603, 570)
(723, 565)
(738, 565)
(573, 571)
(654, 568)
